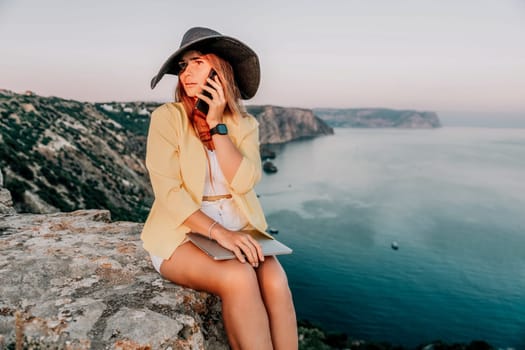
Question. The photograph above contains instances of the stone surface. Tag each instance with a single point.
(6, 202)
(79, 280)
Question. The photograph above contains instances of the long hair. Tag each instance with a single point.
(231, 91)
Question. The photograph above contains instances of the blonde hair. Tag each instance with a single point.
(231, 91)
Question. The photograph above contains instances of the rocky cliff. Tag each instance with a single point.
(378, 118)
(62, 155)
(280, 125)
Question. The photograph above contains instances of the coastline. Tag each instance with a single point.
(314, 337)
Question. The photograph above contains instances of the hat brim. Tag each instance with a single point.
(244, 61)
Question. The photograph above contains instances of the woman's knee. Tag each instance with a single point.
(277, 287)
(274, 284)
(238, 278)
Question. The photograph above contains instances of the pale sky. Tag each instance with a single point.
(441, 55)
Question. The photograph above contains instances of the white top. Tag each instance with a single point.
(216, 183)
(224, 211)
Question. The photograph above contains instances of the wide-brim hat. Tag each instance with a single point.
(244, 61)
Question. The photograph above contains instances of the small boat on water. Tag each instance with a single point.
(269, 167)
(267, 153)
(273, 231)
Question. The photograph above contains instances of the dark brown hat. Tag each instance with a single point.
(243, 60)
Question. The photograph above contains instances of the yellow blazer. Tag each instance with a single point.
(176, 161)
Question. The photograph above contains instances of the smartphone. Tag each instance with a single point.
(201, 105)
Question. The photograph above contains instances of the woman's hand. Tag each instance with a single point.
(216, 103)
(241, 244)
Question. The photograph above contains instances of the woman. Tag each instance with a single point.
(203, 168)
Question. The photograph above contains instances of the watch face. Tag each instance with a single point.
(222, 129)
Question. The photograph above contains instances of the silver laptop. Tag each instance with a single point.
(217, 252)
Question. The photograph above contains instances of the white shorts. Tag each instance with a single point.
(224, 211)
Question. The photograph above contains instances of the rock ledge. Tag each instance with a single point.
(78, 280)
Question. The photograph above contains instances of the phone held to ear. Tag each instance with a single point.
(201, 105)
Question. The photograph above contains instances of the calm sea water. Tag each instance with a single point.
(454, 201)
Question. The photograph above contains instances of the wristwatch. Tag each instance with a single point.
(220, 129)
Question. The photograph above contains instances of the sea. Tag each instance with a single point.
(451, 200)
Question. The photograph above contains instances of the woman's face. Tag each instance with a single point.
(195, 70)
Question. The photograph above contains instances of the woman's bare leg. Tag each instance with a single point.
(244, 314)
(278, 300)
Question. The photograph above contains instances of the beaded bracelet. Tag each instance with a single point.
(209, 229)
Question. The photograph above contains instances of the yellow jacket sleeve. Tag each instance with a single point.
(163, 163)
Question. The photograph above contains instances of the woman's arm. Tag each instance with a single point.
(240, 165)
(244, 168)
(228, 156)
(241, 244)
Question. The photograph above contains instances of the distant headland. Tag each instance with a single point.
(378, 118)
